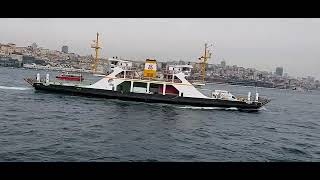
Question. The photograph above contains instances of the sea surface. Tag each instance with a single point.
(37, 126)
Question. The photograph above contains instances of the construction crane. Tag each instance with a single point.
(96, 46)
(204, 58)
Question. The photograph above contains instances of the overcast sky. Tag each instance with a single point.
(259, 43)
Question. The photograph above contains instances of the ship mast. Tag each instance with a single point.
(205, 57)
(96, 47)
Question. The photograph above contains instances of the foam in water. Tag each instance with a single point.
(232, 108)
(208, 108)
(263, 108)
(14, 88)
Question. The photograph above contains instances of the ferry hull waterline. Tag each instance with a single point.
(149, 98)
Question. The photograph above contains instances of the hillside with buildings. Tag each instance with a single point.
(11, 55)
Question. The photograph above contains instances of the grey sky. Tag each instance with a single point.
(258, 43)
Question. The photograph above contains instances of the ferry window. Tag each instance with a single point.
(124, 86)
(139, 87)
(140, 84)
(154, 88)
(120, 75)
(233, 97)
(171, 90)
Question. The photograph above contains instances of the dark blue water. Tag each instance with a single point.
(38, 126)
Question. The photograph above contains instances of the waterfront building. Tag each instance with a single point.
(279, 71)
(223, 63)
(34, 46)
(7, 61)
(17, 56)
(8, 48)
(64, 49)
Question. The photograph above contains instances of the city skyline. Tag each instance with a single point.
(263, 44)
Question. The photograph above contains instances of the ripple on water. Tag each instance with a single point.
(294, 151)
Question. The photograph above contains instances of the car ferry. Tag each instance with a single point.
(130, 85)
(172, 87)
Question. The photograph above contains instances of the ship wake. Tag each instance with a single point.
(221, 108)
(209, 108)
(14, 88)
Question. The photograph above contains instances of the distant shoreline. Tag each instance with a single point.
(88, 71)
(241, 85)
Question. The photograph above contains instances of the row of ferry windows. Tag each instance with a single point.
(134, 75)
(140, 87)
